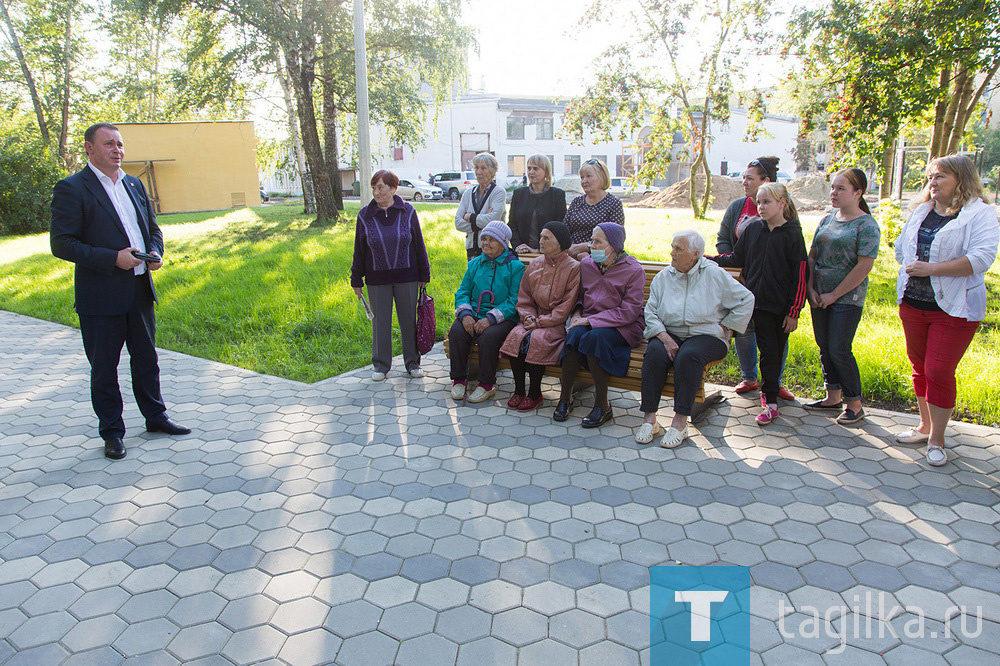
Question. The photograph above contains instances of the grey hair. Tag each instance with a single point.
(695, 242)
(487, 159)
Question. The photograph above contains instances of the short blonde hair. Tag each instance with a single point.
(969, 186)
(602, 170)
(487, 159)
(542, 161)
(779, 192)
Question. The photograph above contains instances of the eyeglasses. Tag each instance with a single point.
(593, 161)
(755, 163)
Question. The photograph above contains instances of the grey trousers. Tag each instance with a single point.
(381, 298)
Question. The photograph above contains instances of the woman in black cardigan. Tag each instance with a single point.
(532, 206)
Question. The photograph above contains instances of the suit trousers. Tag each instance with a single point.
(103, 338)
(382, 296)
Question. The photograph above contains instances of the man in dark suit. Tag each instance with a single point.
(100, 217)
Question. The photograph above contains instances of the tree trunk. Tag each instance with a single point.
(940, 108)
(331, 153)
(951, 113)
(888, 153)
(293, 129)
(67, 72)
(301, 70)
(962, 97)
(43, 127)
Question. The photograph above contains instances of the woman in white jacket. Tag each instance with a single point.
(692, 307)
(484, 203)
(945, 249)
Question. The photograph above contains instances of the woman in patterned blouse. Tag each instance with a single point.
(593, 207)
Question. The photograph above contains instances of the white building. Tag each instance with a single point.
(514, 128)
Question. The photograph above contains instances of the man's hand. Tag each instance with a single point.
(469, 324)
(790, 324)
(154, 265)
(358, 291)
(669, 343)
(481, 325)
(126, 261)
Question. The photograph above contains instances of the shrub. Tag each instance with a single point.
(28, 172)
(891, 220)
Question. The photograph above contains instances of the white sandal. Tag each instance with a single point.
(912, 436)
(936, 456)
(674, 437)
(647, 433)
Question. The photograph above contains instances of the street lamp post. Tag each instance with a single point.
(361, 86)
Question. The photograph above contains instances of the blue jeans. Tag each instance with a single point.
(746, 354)
(834, 328)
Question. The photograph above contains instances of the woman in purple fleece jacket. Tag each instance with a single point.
(391, 259)
(607, 324)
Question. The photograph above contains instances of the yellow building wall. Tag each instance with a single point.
(213, 167)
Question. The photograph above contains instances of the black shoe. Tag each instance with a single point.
(819, 405)
(597, 417)
(114, 448)
(167, 426)
(563, 408)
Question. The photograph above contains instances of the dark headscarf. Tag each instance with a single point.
(561, 231)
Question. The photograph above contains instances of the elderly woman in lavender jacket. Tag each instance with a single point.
(607, 325)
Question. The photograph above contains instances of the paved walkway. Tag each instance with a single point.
(359, 523)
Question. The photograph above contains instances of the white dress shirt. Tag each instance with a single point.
(125, 209)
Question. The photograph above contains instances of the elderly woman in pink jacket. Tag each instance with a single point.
(549, 291)
(607, 324)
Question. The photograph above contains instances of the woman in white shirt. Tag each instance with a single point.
(944, 250)
(481, 204)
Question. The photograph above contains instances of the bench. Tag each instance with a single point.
(632, 381)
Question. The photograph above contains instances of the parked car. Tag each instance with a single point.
(782, 176)
(418, 190)
(623, 187)
(453, 183)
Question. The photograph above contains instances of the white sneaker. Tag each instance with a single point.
(936, 456)
(674, 437)
(378, 376)
(416, 372)
(647, 432)
(481, 394)
(457, 391)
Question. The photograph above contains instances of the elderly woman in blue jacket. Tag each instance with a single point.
(485, 311)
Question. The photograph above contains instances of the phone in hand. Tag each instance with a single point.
(145, 256)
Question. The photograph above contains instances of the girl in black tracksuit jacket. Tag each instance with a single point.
(772, 254)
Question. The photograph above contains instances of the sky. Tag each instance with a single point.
(537, 47)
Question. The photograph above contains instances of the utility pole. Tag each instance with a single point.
(361, 86)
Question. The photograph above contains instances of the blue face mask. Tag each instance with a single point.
(598, 255)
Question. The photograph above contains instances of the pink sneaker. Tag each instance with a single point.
(766, 416)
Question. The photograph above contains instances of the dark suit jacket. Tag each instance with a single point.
(86, 230)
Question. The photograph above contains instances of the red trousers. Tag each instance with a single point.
(935, 343)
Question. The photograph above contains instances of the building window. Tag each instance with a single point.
(543, 128)
(603, 158)
(515, 165)
(821, 147)
(571, 165)
(515, 127)
(397, 153)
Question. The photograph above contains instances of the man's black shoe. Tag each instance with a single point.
(114, 448)
(597, 417)
(563, 409)
(167, 426)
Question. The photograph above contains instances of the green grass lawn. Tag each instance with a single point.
(258, 289)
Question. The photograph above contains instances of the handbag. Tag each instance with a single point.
(426, 322)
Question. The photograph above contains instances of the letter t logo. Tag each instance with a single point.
(701, 610)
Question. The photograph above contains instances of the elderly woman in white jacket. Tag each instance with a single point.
(944, 250)
(693, 305)
(481, 204)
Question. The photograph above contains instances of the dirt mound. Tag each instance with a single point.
(724, 191)
(810, 192)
